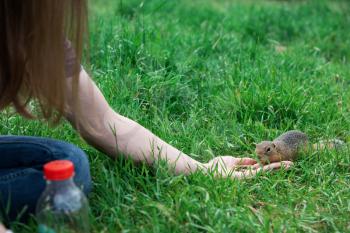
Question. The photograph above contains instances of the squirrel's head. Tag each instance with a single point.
(265, 150)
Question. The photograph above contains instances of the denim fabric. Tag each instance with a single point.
(21, 176)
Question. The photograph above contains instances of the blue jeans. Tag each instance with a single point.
(21, 174)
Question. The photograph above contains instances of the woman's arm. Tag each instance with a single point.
(114, 134)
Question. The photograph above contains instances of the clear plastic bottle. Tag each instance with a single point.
(62, 206)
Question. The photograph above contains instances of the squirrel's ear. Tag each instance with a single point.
(273, 145)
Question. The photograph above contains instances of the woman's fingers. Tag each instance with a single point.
(249, 173)
(239, 168)
(273, 166)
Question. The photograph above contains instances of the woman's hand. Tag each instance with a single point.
(240, 168)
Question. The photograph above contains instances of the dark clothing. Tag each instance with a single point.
(21, 174)
(22, 160)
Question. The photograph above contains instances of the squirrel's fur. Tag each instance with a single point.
(287, 146)
(284, 147)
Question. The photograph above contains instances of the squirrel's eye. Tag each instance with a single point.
(268, 149)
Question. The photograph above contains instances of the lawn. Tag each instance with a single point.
(211, 78)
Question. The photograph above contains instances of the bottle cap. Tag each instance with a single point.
(58, 170)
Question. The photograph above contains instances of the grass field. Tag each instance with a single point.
(211, 78)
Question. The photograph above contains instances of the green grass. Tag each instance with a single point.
(206, 76)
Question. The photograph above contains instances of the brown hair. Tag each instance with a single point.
(32, 60)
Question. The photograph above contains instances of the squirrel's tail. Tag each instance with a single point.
(332, 144)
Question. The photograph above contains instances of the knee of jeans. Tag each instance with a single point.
(82, 177)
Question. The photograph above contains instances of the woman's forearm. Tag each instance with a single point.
(133, 140)
(114, 134)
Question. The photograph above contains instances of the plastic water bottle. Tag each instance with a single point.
(62, 206)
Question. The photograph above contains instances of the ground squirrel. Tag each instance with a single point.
(287, 146)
